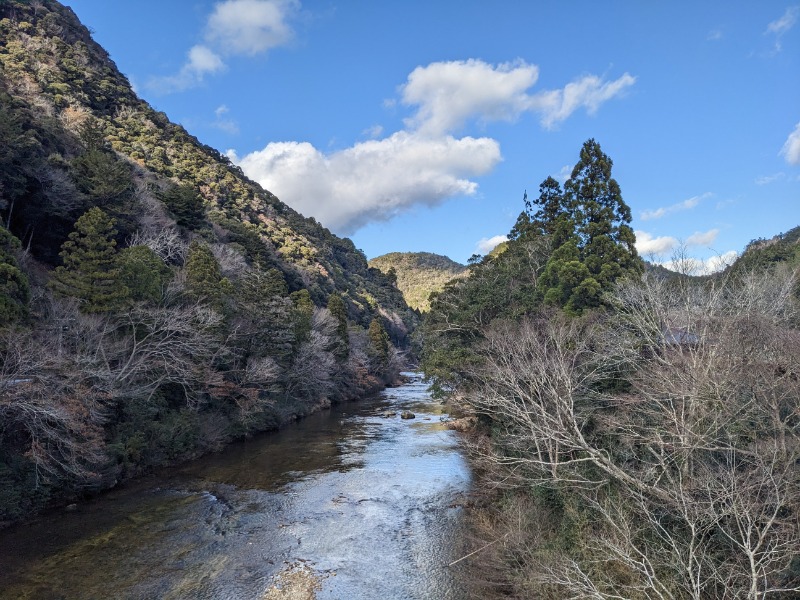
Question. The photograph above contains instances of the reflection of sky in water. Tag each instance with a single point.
(351, 491)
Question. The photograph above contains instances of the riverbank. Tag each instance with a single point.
(187, 436)
(369, 504)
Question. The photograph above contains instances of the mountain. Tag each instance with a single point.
(55, 79)
(419, 274)
(155, 303)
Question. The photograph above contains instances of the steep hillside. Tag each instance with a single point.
(418, 274)
(759, 254)
(55, 79)
(154, 302)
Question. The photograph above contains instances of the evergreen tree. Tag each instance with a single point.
(379, 342)
(90, 271)
(339, 311)
(143, 273)
(14, 288)
(204, 280)
(593, 243)
(265, 315)
(302, 314)
(185, 204)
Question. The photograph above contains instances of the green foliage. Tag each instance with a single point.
(265, 314)
(379, 342)
(339, 311)
(90, 272)
(593, 243)
(97, 172)
(302, 312)
(186, 205)
(144, 273)
(418, 274)
(14, 287)
(204, 280)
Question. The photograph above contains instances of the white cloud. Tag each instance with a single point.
(374, 131)
(589, 92)
(780, 26)
(486, 245)
(236, 27)
(647, 245)
(785, 22)
(564, 174)
(791, 149)
(688, 204)
(250, 27)
(200, 61)
(714, 35)
(449, 94)
(696, 266)
(373, 180)
(767, 179)
(700, 238)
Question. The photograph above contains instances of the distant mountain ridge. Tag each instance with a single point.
(419, 274)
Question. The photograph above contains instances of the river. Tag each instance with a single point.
(367, 503)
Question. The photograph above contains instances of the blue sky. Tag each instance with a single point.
(417, 125)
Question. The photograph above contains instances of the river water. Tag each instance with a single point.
(367, 502)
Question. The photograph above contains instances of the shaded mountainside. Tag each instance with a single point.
(419, 274)
(154, 302)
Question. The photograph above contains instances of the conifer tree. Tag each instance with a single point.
(90, 271)
(379, 341)
(143, 273)
(302, 314)
(339, 311)
(204, 280)
(14, 287)
(593, 243)
(186, 205)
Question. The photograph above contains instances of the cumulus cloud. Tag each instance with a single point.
(791, 149)
(688, 204)
(702, 238)
(250, 27)
(423, 163)
(373, 180)
(486, 245)
(449, 94)
(647, 245)
(697, 266)
(235, 28)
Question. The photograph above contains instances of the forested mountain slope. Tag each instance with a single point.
(418, 274)
(154, 302)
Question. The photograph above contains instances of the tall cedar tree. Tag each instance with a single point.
(90, 271)
(593, 242)
(379, 341)
(339, 311)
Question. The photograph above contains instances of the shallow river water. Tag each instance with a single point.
(366, 501)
